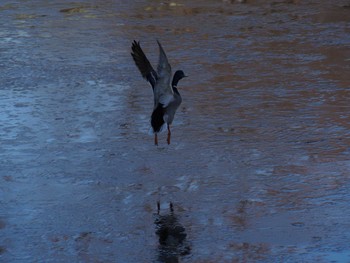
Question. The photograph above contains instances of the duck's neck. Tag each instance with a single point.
(174, 84)
(176, 90)
(175, 81)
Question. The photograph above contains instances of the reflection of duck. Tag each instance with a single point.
(166, 97)
(172, 237)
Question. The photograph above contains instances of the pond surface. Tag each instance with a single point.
(259, 165)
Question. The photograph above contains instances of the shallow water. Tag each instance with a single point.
(258, 168)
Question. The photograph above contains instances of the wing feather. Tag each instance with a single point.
(143, 64)
(163, 92)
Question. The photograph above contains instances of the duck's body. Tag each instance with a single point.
(167, 98)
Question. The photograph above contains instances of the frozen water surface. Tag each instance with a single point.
(258, 169)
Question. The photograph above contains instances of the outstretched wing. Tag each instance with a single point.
(143, 64)
(163, 92)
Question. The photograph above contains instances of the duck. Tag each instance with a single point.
(167, 98)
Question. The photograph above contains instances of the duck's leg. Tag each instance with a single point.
(156, 139)
(169, 134)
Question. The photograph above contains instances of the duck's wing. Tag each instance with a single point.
(143, 64)
(163, 92)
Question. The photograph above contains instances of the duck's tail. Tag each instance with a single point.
(157, 119)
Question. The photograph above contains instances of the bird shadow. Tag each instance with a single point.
(172, 236)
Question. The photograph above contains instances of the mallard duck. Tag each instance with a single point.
(167, 98)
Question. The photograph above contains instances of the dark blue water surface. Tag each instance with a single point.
(259, 165)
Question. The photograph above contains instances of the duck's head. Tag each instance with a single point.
(179, 74)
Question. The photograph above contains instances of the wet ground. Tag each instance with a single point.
(258, 169)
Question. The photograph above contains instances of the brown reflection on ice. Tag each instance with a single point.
(249, 252)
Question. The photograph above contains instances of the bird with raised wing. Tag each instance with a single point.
(167, 98)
